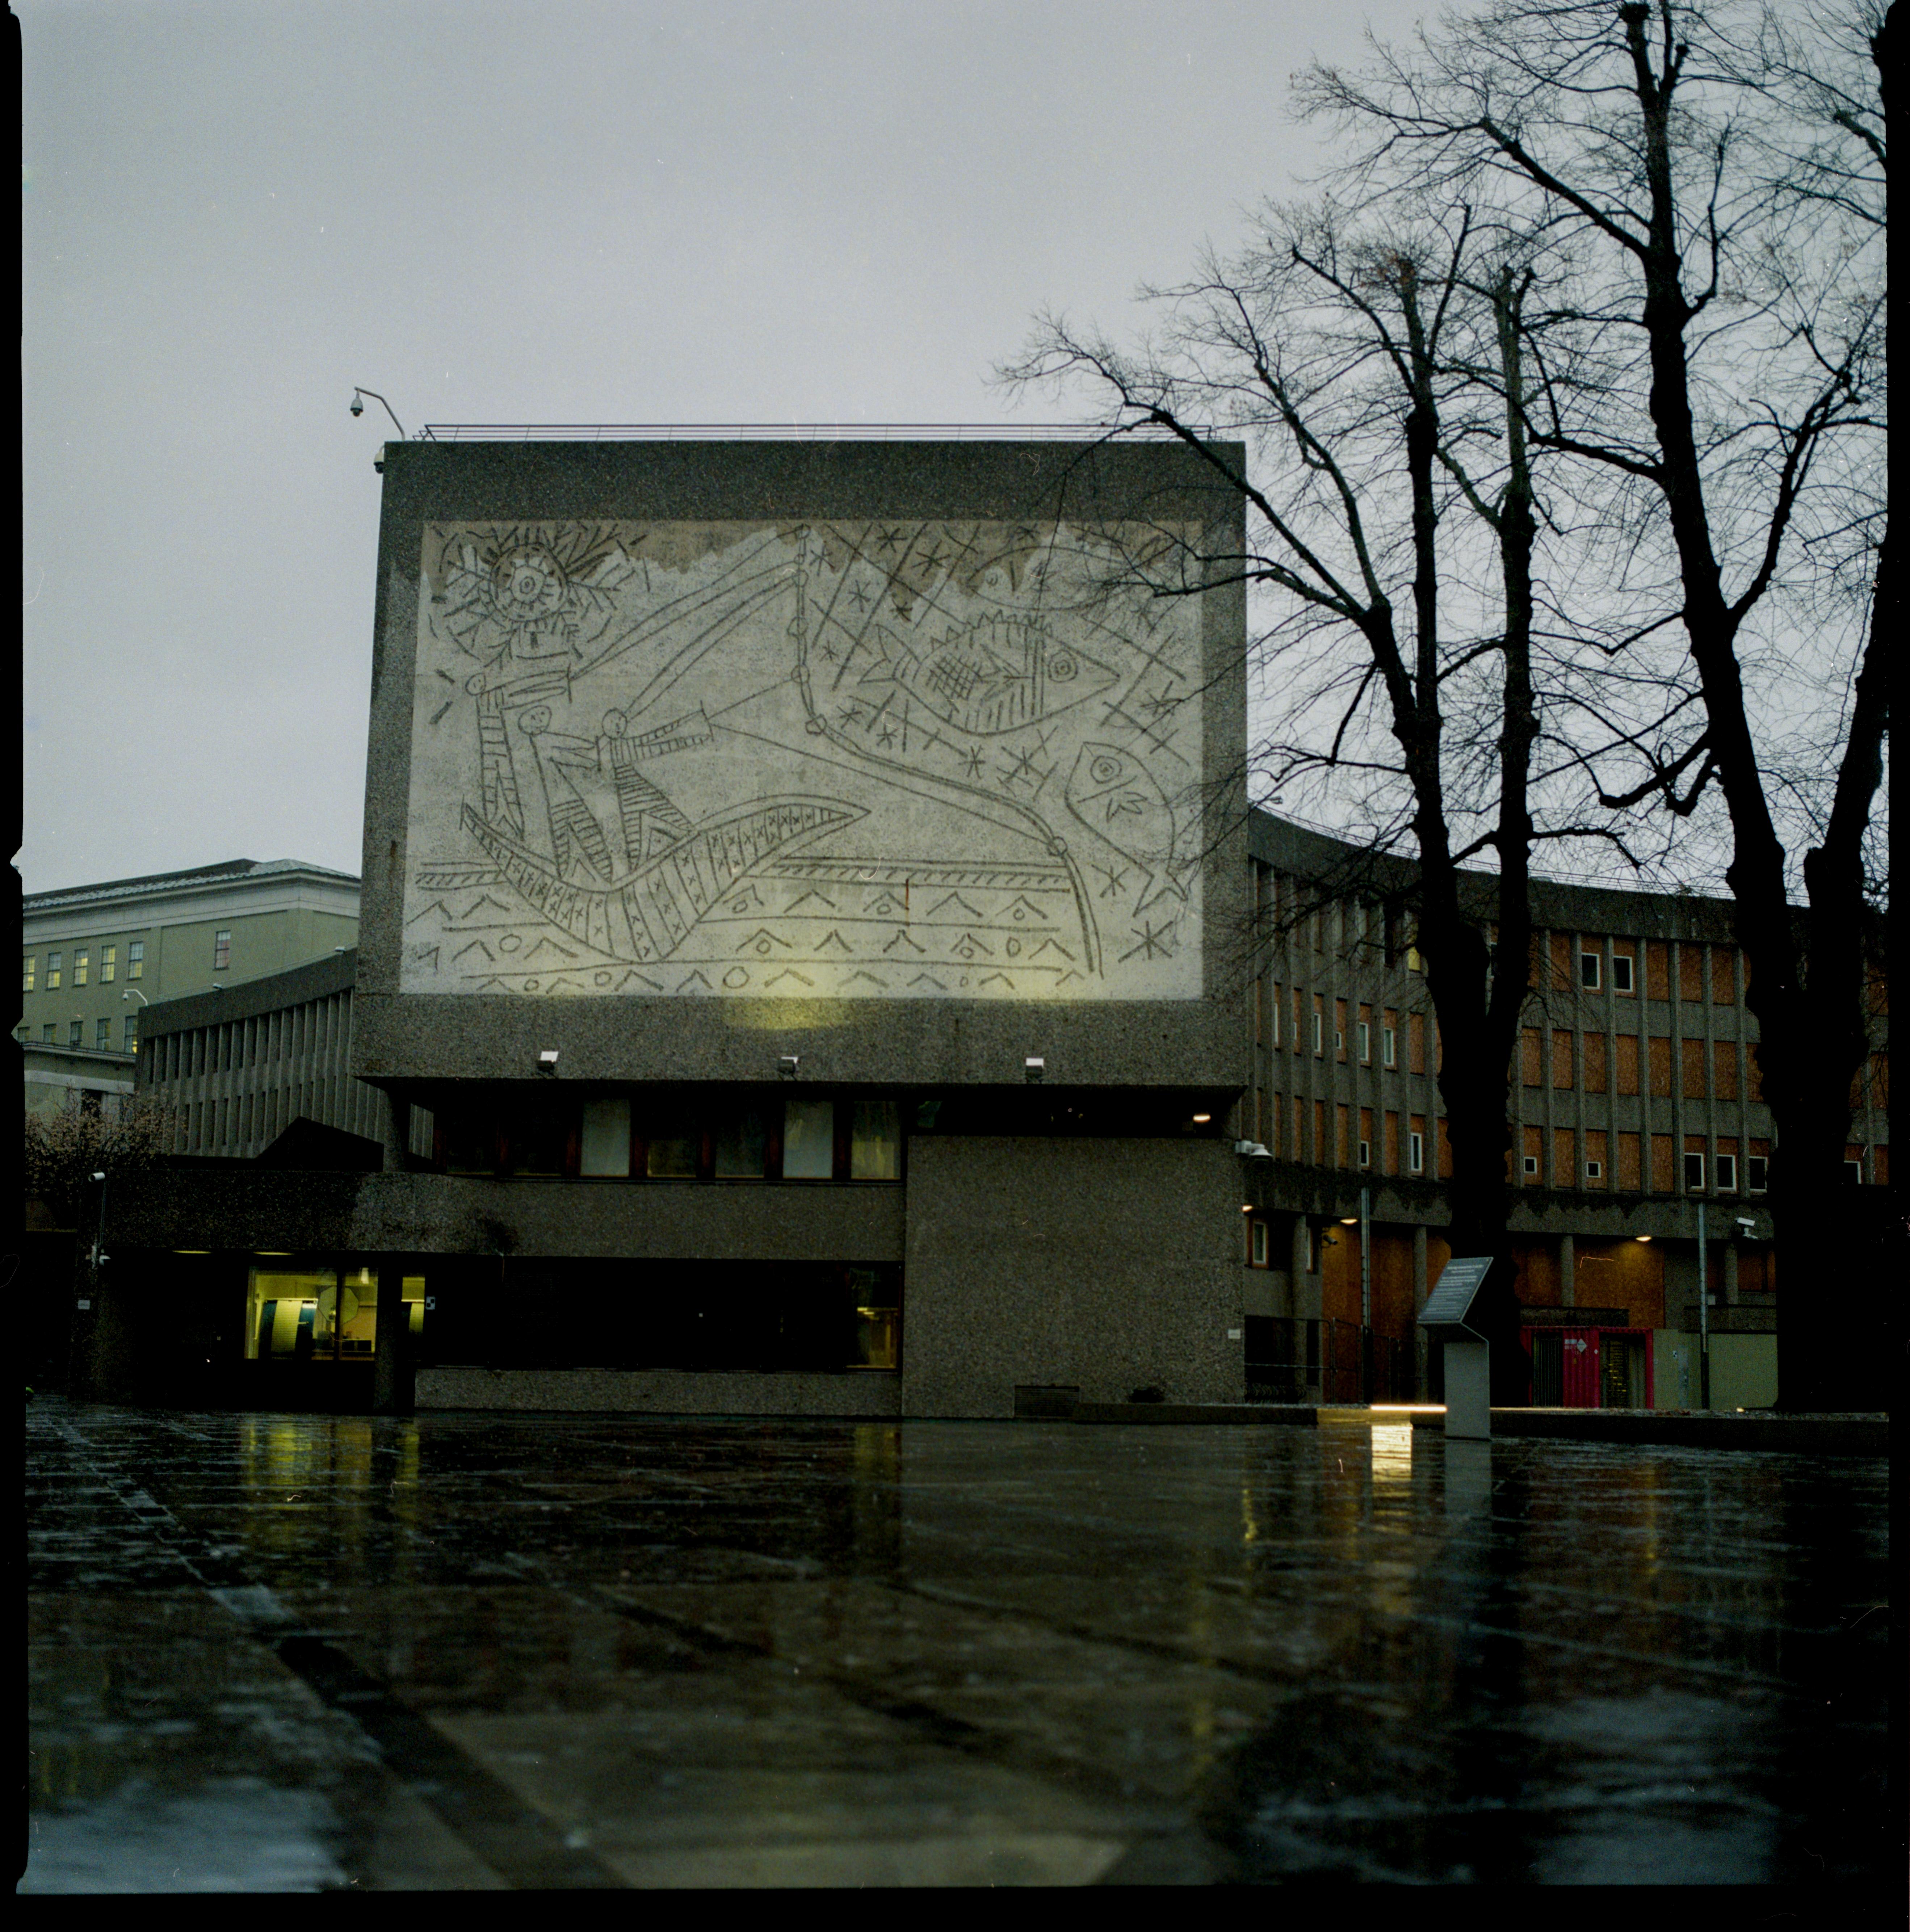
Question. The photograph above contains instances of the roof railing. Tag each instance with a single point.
(795, 432)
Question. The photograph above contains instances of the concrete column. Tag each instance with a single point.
(391, 1366)
(397, 1133)
(1568, 1271)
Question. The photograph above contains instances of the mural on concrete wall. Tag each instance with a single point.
(888, 759)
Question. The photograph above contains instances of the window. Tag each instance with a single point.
(26, 974)
(1339, 1042)
(136, 960)
(1390, 1046)
(1594, 1170)
(1414, 964)
(1531, 1163)
(222, 951)
(1365, 1153)
(1416, 1153)
(808, 1140)
(1319, 1027)
(109, 963)
(1313, 1249)
(75, 1032)
(1727, 1173)
(46, 1035)
(1366, 1044)
(132, 1035)
(102, 1035)
(1757, 1168)
(1694, 1174)
(603, 1144)
(875, 1142)
(79, 960)
(740, 1145)
(1259, 1247)
(53, 972)
(1588, 972)
(1854, 1172)
(1621, 973)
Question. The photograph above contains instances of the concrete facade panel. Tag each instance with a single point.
(1107, 1265)
(677, 753)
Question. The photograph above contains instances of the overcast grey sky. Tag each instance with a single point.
(533, 213)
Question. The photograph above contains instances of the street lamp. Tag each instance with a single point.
(357, 406)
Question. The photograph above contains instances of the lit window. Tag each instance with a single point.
(1594, 1170)
(808, 1140)
(1260, 1244)
(1414, 964)
(53, 972)
(79, 957)
(1756, 1167)
(1588, 974)
(132, 1035)
(1621, 973)
(108, 958)
(875, 1142)
(604, 1145)
(1366, 1044)
(1727, 1174)
(26, 974)
(102, 1035)
(222, 951)
(136, 960)
(1416, 1153)
(1694, 1174)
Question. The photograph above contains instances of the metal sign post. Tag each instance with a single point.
(1447, 1315)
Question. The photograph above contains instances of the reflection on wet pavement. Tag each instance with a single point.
(305, 1652)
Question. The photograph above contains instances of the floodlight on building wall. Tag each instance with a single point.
(1252, 1149)
(786, 1064)
(1032, 1068)
(1201, 1120)
(546, 1061)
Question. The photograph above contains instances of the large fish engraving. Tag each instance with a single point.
(1114, 795)
(991, 676)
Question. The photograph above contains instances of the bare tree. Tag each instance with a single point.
(1734, 437)
(1378, 368)
(64, 1150)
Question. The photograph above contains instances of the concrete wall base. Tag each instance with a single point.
(660, 1392)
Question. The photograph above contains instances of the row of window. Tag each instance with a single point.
(1724, 1174)
(49, 1034)
(83, 966)
(107, 958)
(607, 1138)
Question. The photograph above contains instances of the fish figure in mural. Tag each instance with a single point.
(991, 676)
(1115, 796)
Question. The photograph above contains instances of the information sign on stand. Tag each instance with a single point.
(1447, 1317)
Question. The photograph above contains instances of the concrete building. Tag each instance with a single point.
(232, 1072)
(792, 869)
(94, 957)
(817, 959)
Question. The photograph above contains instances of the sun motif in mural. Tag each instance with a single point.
(530, 597)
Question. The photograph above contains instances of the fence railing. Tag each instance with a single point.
(1289, 1358)
(796, 432)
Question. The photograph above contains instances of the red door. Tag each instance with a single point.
(1581, 1368)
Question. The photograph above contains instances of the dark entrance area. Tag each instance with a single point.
(512, 1312)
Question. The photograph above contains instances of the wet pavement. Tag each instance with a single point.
(275, 1653)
